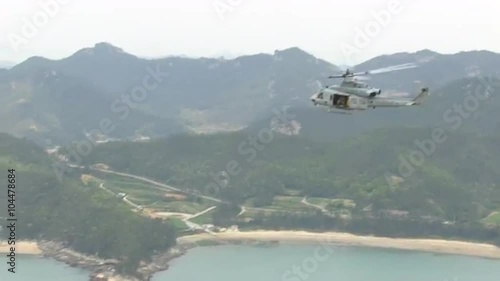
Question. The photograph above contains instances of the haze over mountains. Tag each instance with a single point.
(6, 64)
(62, 100)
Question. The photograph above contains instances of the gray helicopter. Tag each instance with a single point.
(353, 94)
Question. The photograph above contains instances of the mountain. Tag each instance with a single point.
(44, 98)
(48, 105)
(183, 93)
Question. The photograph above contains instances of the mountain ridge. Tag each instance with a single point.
(101, 46)
(198, 94)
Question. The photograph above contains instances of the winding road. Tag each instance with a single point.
(159, 185)
(186, 217)
(165, 187)
(304, 201)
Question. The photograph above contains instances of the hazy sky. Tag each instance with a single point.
(324, 28)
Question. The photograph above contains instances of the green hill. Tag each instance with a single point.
(380, 172)
(82, 217)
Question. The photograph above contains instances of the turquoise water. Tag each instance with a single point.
(287, 263)
(314, 263)
(30, 268)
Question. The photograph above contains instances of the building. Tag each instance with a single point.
(208, 227)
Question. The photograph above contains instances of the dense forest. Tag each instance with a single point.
(84, 218)
(454, 182)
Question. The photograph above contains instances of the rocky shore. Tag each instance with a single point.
(105, 270)
(161, 262)
(60, 252)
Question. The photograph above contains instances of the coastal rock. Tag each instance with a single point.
(104, 270)
(160, 262)
(60, 252)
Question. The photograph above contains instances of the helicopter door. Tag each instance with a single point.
(341, 101)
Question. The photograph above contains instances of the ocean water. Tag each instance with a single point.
(330, 263)
(287, 263)
(32, 268)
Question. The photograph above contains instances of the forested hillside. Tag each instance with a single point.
(84, 218)
(455, 181)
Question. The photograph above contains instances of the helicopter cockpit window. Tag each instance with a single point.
(320, 95)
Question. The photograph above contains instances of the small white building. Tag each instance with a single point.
(208, 227)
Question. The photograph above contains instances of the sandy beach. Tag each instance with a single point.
(425, 245)
(22, 248)
(303, 237)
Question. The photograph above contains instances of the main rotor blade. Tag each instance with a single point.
(393, 68)
(360, 73)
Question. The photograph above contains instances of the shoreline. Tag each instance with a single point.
(95, 265)
(22, 248)
(437, 246)
(257, 237)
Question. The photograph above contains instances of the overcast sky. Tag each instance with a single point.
(325, 28)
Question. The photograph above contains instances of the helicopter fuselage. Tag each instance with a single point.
(353, 94)
(340, 100)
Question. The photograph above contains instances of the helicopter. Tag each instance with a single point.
(353, 94)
